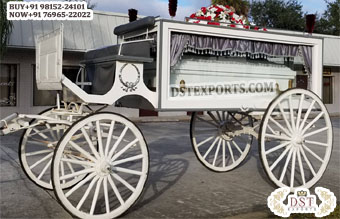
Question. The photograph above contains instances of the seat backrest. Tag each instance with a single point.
(143, 23)
(49, 60)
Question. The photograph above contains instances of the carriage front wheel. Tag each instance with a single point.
(114, 175)
(295, 139)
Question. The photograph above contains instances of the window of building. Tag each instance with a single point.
(49, 97)
(8, 84)
(327, 94)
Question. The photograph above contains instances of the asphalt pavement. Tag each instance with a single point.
(178, 185)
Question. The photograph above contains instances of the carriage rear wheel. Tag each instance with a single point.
(36, 150)
(218, 139)
(295, 140)
(115, 174)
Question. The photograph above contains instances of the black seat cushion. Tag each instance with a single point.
(137, 49)
(143, 23)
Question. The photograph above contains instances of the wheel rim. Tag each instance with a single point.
(296, 143)
(36, 151)
(116, 173)
(217, 139)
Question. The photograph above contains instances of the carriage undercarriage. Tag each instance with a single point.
(97, 162)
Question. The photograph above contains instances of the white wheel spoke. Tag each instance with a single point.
(120, 179)
(312, 153)
(219, 116)
(45, 169)
(307, 161)
(81, 183)
(75, 146)
(78, 173)
(40, 133)
(106, 195)
(54, 137)
(270, 128)
(231, 152)
(223, 115)
(62, 169)
(124, 149)
(312, 122)
(41, 160)
(285, 118)
(89, 141)
(299, 112)
(70, 166)
(125, 170)
(307, 114)
(37, 143)
(115, 190)
(95, 196)
(316, 132)
(286, 165)
(210, 148)
(301, 167)
(279, 158)
(83, 163)
(317, 143)
(279, 125)
(223, 153)
(87, 192)
(291, 112)
(206, 121)
(100, 140)
(205, 141)
(237, 147)
(277, 147)
(280, 137)
(292, 171)
(109, 137)
(38, 152)
(114, 147)
(136, 157)
(213, 118)
(217, 150)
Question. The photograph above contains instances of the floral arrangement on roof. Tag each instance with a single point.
(221, 16)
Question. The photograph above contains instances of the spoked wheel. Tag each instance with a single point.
(115, 173)
(295, 139)
(219, 140)
(36, 150)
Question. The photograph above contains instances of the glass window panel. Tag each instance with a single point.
(8, 84)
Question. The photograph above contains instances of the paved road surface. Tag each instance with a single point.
(178, 186)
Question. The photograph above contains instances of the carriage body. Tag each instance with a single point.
(97, 162)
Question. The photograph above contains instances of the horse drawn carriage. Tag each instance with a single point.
(97, 162)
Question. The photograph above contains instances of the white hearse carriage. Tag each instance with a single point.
(97, 162)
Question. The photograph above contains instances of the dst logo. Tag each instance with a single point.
(301, 202)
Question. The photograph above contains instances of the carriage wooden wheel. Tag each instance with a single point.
(217, 139)
(291, 143)
(115, 174)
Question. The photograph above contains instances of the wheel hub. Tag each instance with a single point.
(297, 139)
(103, 168)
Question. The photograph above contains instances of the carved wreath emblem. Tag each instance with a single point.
(129, 86)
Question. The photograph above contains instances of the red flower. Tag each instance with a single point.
(246, 27)
(208, 18)
(193, 15)
(204, 10)
(214, 23)
(233, 19)
(231, 14)
(241, 21)
(232, 25)
(264, 29)
(196, 22)
(256, 28)
(219, 10)
(227, 6)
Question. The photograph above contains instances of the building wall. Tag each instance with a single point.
(334, 109)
